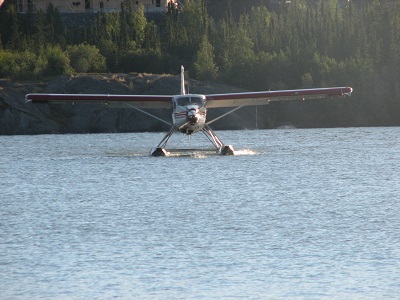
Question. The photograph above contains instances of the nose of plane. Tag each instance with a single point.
(193, 116)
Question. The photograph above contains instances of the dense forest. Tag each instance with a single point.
(258, 45)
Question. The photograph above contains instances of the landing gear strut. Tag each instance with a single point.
(213, 138)
(160, 149)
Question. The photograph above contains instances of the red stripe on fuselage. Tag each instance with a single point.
(181, 115)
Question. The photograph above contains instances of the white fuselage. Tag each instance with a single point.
(189, 113)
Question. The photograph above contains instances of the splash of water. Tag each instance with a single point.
(245, 152)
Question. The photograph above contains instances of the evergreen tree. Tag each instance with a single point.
(204, 64)
(239, 57)
(39, 36)
(152, 39)
(55, 26)
(15, 39)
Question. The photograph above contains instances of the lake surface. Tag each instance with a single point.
(298, 214)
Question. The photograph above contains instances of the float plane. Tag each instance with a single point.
(189, 111)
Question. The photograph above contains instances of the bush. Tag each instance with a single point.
(86, 58)
(18, 65)
(57, 62)
(7, 62)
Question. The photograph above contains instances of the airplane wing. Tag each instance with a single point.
(114, 101)
(264, 98)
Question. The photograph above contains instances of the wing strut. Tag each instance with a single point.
(225, 114)
(147, 113)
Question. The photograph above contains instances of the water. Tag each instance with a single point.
(299, 214)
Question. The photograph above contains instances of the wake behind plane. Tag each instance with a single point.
(189, 111)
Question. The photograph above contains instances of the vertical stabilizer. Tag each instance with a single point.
(183, 92)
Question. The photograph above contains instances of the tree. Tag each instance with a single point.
(105, 32)
(204, 64)
(152, 39)
(259, 20)
(39, 36)
(239, 57)
(15, 39)
(132, 26)
(54, 25)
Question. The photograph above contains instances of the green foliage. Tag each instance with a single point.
(56, 61)
(132, 26)
(307, 81)
(257, 26)
(204, 64)
(152, 39)
(15, 39)
(86, 58)
(54, 26)
(238, 57)
(18, 65)
(8, 65)
(254, 44)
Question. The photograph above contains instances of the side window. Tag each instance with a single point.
(182, 101)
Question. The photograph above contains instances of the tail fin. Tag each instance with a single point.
(183, 92)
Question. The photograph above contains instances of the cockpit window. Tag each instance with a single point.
(184, 101)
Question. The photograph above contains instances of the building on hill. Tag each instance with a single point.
(92, 6)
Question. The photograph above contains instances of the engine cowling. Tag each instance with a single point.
(193, 116)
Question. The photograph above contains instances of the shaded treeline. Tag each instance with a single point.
(257, 46)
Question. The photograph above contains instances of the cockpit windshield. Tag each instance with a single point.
(190, 100)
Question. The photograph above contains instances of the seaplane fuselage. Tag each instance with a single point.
(189, 113)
